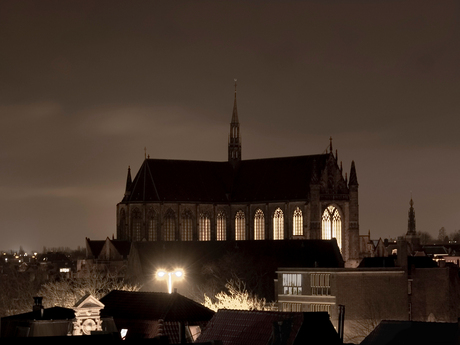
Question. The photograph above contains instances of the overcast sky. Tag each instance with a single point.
(86, 85)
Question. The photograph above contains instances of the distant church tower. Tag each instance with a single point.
(234, 140)
(411, 235)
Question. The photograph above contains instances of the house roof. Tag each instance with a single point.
(122, 247)
(254, 180)
(241, 327)
(94, 247)
(412, 332)
(54, 313)
(153, 306)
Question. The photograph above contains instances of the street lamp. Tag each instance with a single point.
(177, 273)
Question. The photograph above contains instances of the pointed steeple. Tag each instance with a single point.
(234, 140)
(353, 177)
(411, 222)
(129, 182)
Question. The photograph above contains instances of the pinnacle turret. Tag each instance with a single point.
(234, 140)
(129, 181)
(353, 177)
(411, 222)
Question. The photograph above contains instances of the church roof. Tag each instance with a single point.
(271, 179)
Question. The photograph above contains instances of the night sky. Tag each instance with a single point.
(86, 85)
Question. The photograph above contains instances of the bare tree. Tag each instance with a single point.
(237, 297)
(66, 292)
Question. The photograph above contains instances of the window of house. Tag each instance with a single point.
(240, 226)
(292, 284)
(205, 227)
(320, 284)
(186, 230)
(297, 222)
(136, 221)
(259, 225)
(332, 225)
(296, 307)
(221, 226)
(278, 224)
(320, 307)
(151, 225)
(169, 233)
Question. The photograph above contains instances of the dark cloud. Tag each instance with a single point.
(85, 86)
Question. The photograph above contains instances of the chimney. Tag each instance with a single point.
(38, 306)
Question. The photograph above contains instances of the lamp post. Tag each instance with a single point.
(162, 274)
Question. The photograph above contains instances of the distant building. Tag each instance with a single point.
(395, 287)
(303, 197)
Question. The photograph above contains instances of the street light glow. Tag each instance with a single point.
(178, 273)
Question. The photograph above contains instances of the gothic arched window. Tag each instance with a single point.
(240, 226)
(221, 226)
(186, 227)
(297, 222)
(122, 230)
(332, 225)
(152, 221)
(259, 225)
(278, 224)
(205, 227)
(136, 224)
(169, 228)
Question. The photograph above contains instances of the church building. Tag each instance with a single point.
(288, 198)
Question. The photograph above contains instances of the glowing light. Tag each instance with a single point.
(178, 273)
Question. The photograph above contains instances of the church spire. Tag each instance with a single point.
(129, 181)
(353, 178)
(234, 141)
(411, 222)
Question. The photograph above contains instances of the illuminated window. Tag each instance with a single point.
(332, 225)
(297, 222)
(186, 229)
(169, 233)
(320, 284)
(122, 226)
(292, 307)
(320, 307)
(259, 225)
(221, 226)
(151, 225)
(64, 270)
(205, 227)
(240, 228)
(292, 284)
(136, 223)
(278, 225)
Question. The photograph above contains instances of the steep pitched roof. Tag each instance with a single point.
(202, 181)
(93, 248)
(241, 327)
(153, 306)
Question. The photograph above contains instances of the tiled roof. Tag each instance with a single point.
(239, 327)
(202, 181)
(122, 247)
(153, 306)
(94, 247)
(411, 332)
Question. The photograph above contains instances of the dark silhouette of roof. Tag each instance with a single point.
(390, 261)
(239, 327)
(153, 306)
(202, 181)
(123, 247)
(94, 247)
(412, 332)
(54, 313)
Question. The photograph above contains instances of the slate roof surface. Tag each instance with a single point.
(122, 247)
(272, 179)
(239, 327)
(412, 332)
(153, 306)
